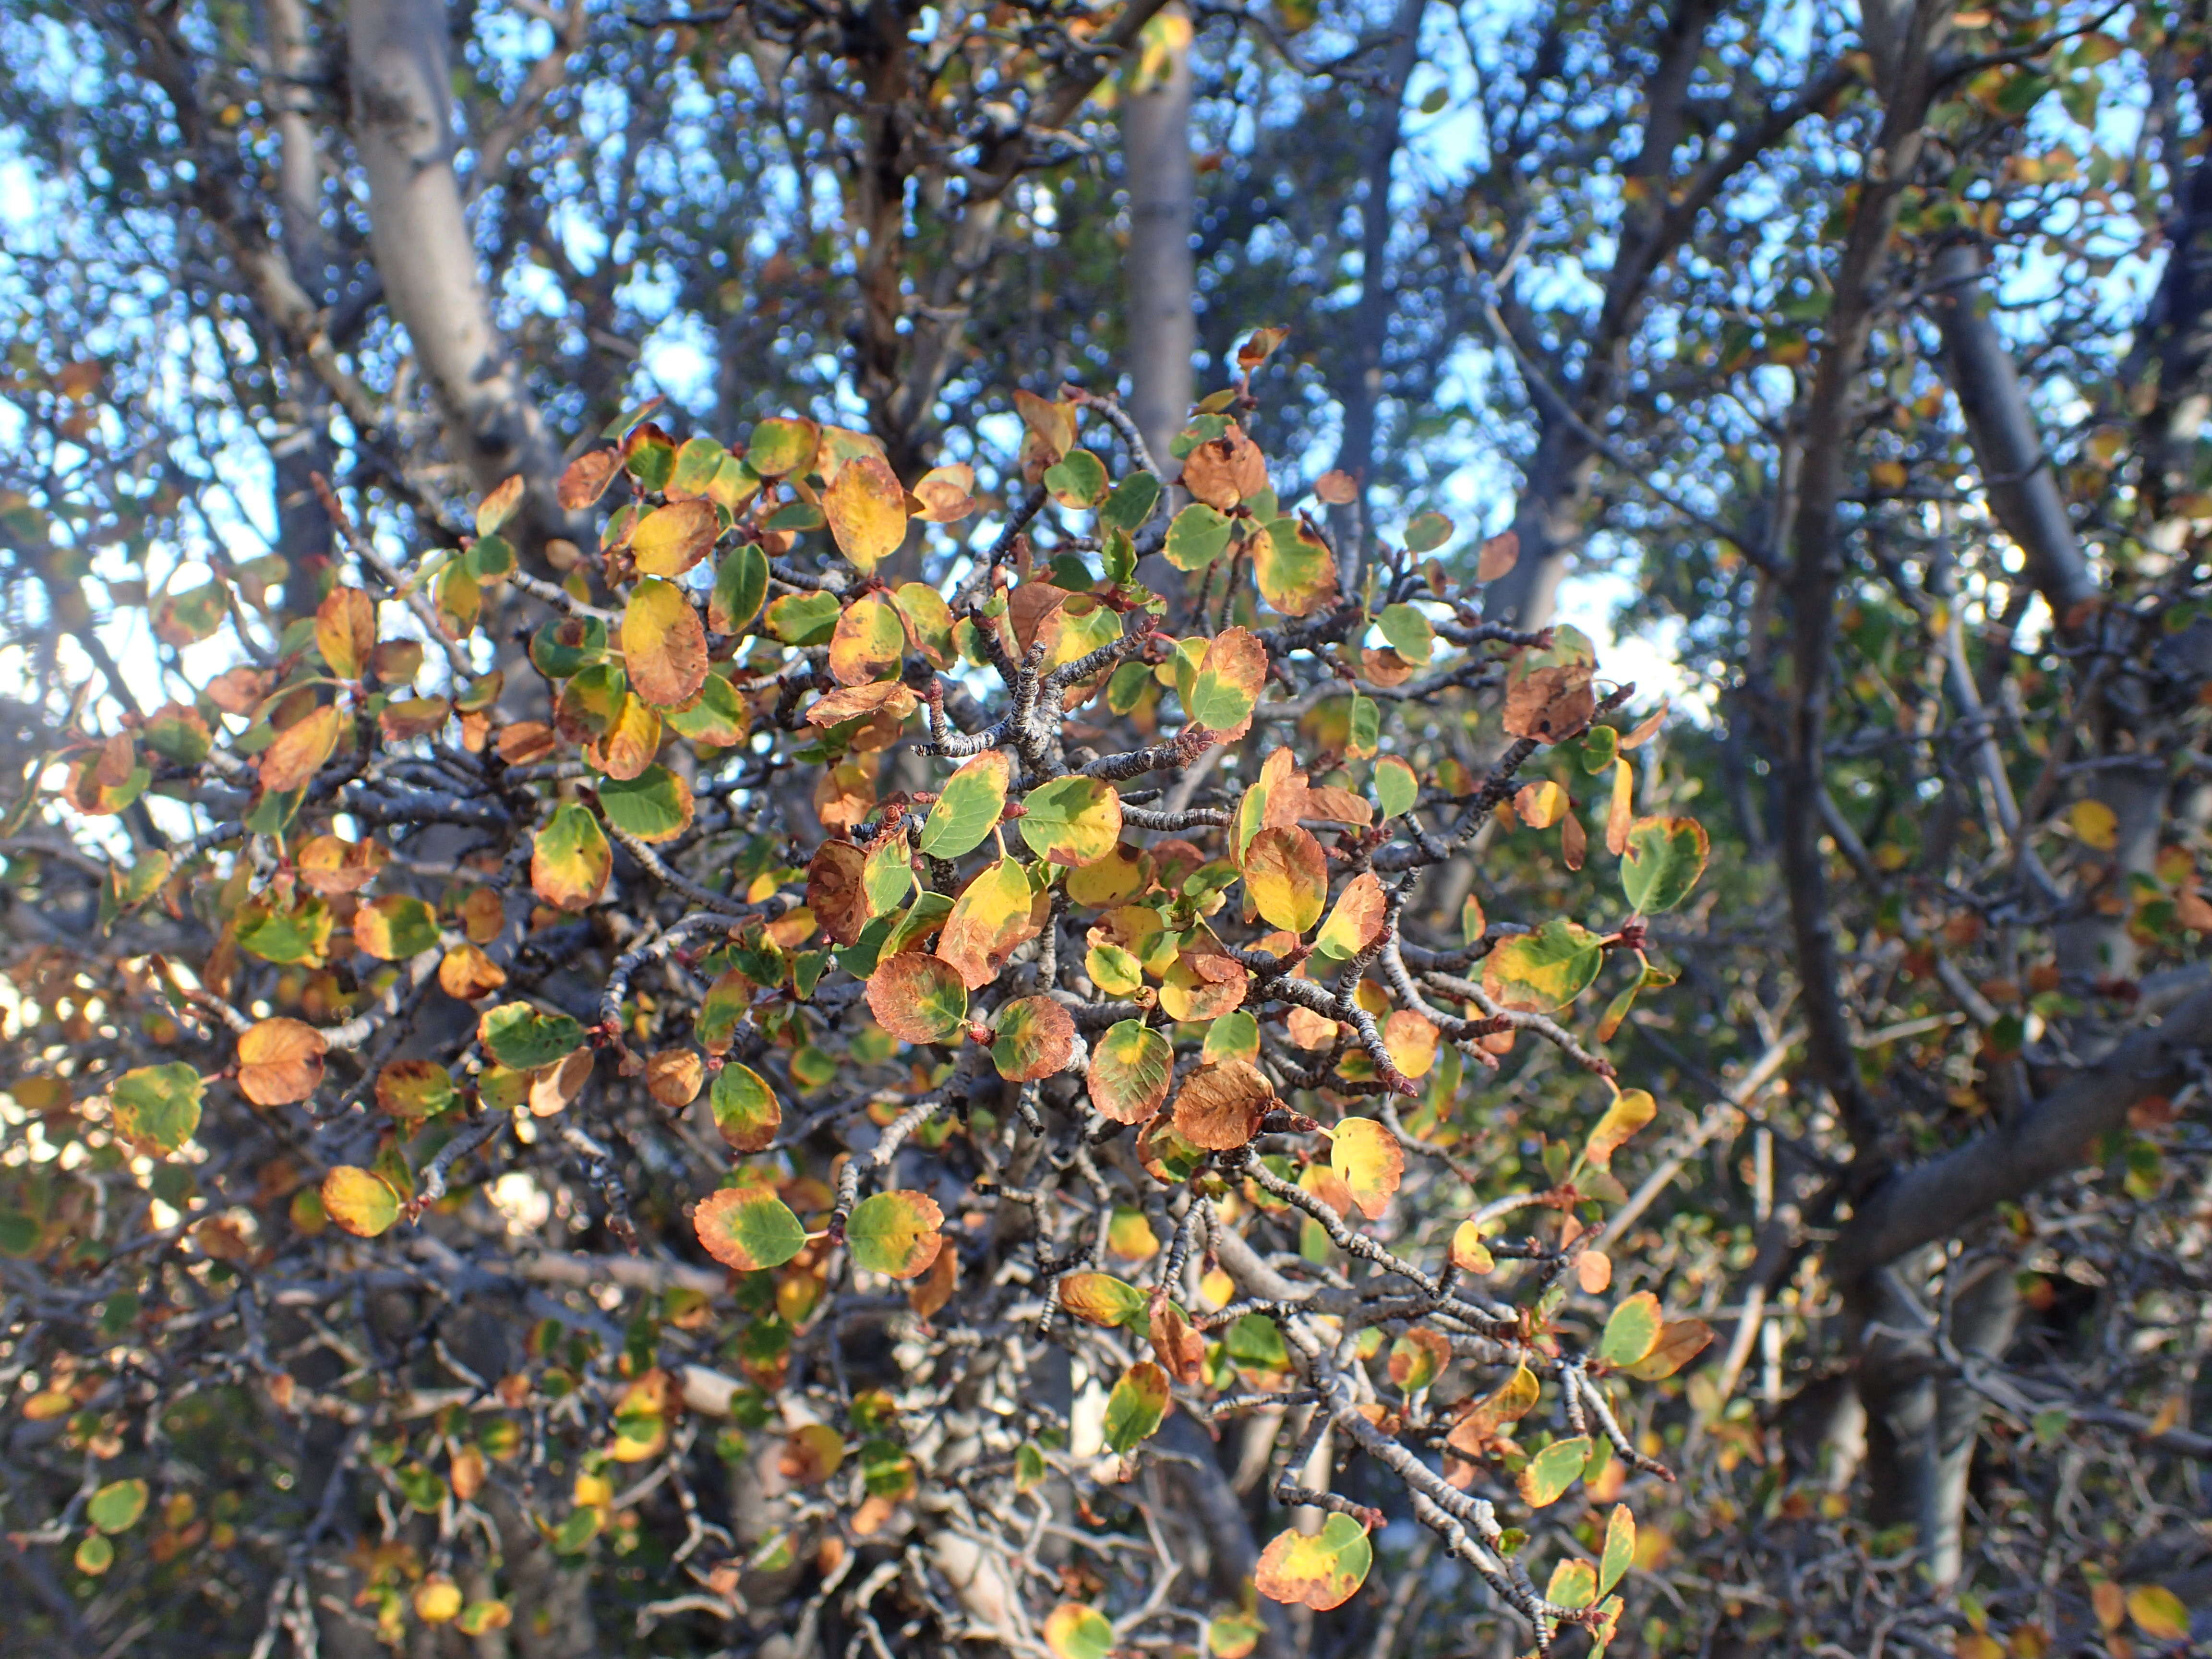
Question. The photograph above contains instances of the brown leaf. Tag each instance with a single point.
(300, 750)
(850, 702)
(524, 743)
(467, 972)
(1224, 470)
(1550, 704)
(834, 892)
(1219, 1106)
(586, 477)
(674, 1076)
(279, 1061)
(1498, 555)
(1180, 1350)
(1337, 488)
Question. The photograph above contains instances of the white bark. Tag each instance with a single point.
(1162, 274)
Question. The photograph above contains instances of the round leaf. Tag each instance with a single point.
(1130, 1068)
(569, 859)
(1542, 971)
(117, 1506)
(1074, 820)
(522, 1039)
(360, 1200)
(1662, 862)
(669, 540)
(867, 510)
(868, 641)
(1033, 1038)
(1370, 1160)
(1632, 1331)
(745, 1109)
(279, 1061)
(1552, 1470)
(395, 928)
(1219, 1106)
(895, 1233)
(917, 998)
(969, 805)
(654, 806)
(1286, 873)
(1136, 1407)
(664, 645)
(1322, 1570)
(747, 1229)
(157, 1107)
(1073, 1631)
(1103, 1299)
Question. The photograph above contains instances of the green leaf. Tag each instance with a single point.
(747, 1229)
(1136, 1407)
(1632, 1331)
(1411, 634)
(1619, 1549)
(1198, 537)
(395, 928)
(1076, 1632)
(567, 644)
(1552, 1470)
(360, 1200)
(895, 1233)
(157, 1106)
(1130, 1068)
(1131, 503)
(887, 876)
(1366, 729)
(745, 1109)
(1235, 1035)
(117, 1506)
(717, 718)
(803, 619)
(569, 859)
(93, 1555)
(1073, 820)
(969, 805)
(1077, 482)
(1543, 971)
(518, 1035)
(1397, 791)
(654, 806)
(741, 585)
(1574, 1584)
(1663, 862)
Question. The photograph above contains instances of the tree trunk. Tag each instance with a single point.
(1361, 394)
(1163, 278)
(404, 132)
(301, 446)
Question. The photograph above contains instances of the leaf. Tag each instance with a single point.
(1219, 1106)
(2095, 822)
(655, 805)
(1411, 634)
(2158, 1612)
(1469, 1253)
(969, 805)
(1370, 1160)
(1197, 536)
(869, 641)
(1574, 1584)
(586, 477)
(117, 1506)
(1227, 686)
(994, 915)
(359, 1200)
(745, 1109)
(1130, 1069)
(1233, 1036)
(917, 998)
(93, 1555)
(782, 444)
(157, 1108)
(1498, 555)
(1103, 1299)
(279, 1061)
(1357, 920)
(1552, 1470)
(887, 875)
(1621, 809)
(1076, 481)
(836, 892)
(867, 510)
(1427, 532)
(413, 1089)
(1136, 1407)
(1681, 1341)
(1548, 691)
(569, 859)
(1419, 1358)
(1397, 791)
(1287, 876)
(395, 928)
(1131, 504)
(298, 753)
(1034, 1038)
(1321, 1571)
(669, 540)
(1294, 569)
(1074, 1630)
(858, 702)
(747, 1229)
(1632, 1331)
(741, 585)
(345, 631)
(522, 1039)
(664, 646)
(1543, 971)
(1541, 805)
(1513, 1400)
(1073, 820)
(673, 1076)
(1619, 1549)
(1662, 863)
(895, 1233)
(1631, 1110)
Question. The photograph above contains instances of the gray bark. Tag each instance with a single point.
(1162, 274)
(404, 135)
(1352, 524)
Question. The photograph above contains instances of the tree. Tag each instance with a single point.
(655, 1002)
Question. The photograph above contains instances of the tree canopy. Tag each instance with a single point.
(821, 830)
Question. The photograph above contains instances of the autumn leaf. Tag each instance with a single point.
(1286, 874)
(895, 1233)
(1321, 1571)
(747, 1229)
(279, 1061)
(918, 998)
(1130, 1068)
(1370, 1160)
(867, 510)
(301, 750)
(664, 644)
(1033, 1038)
(1219, 1106)
(995, 913)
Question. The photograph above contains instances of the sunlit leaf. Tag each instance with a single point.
(569, 859)
(1322, 1570)
(1073, 820)
(664, 645)
(1357, 920)
(669, 540)
(1370, 1160)
(1073, 1631)
(360, 1201)
(895, 1233)
(747, 1229)
(918, 998)
(745, 1109)
(1552, 1470)
(521, 1037)
(279, 1061)
(968, 806)
(157, 1107)
(1663, 860)
(1286, 874)
(1227, 686)
(1130, 1068)
(1033, 1038)
(1136, 1407)
(1219, 1106)
(1103, 1299)
(1633, 1330)
(995, 914)
(866, 509)
(1543, 971)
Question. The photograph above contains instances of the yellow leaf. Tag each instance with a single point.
(867, 510)
(1370, 1160)
(664, 644)
(2096, 823)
